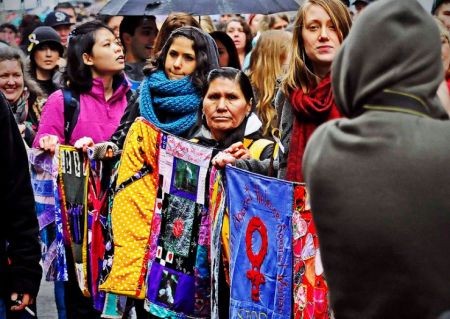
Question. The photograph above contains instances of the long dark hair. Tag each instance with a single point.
(78, 76)
(229, 46)
(205, 49)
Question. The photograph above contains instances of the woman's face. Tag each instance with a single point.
(46, 57)
(11, 80)
(180, 59)
(224, 57)
(224, 107)
(280, 24)
(320, 37)
(445, 53)
(236, 32)
(107, 55)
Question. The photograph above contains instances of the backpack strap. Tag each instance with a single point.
(256, 147)
(129, 94)
(71, 113)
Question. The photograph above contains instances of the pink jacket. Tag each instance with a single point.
(98, 118)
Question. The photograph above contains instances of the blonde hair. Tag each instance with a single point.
(442, 29)
(300, 74)
(444, 34)
(264, 71)
(207, 24)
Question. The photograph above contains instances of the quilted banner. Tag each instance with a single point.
(260, 210)
(132, 211)
(44, 175)
(217, 210)
(98, 195)
(179, 276)
(74, 175)
(310, 287)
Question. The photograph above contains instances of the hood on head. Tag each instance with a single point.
(211, 48)
(394, 45)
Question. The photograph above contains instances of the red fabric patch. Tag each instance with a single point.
(256, 225)
(178, 227)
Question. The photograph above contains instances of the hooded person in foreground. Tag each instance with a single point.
(379, 180)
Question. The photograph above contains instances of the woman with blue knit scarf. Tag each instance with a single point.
(170, 94)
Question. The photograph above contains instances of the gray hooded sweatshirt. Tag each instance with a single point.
(379, 181)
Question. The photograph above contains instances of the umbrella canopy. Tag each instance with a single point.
(197, 7)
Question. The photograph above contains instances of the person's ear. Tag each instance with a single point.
(87, 59)
(126, 37)
(248, 109)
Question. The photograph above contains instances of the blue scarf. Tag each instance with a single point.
(177, 100)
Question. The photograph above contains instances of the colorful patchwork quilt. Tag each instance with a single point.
(179, 275)
(74, 169)
(44, 175)
(310, 289)
(132, 212)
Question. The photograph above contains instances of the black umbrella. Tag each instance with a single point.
(197, 7)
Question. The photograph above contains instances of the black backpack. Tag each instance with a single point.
(72, 111)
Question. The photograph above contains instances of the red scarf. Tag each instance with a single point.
(310, 110)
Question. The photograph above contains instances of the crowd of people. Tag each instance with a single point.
(358, 113)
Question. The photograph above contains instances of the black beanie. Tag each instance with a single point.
(42, 35)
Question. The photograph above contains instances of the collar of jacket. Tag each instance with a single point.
(120, 87)
(395, 101)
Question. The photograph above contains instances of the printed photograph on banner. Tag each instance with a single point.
(167, 288)
(185, 178)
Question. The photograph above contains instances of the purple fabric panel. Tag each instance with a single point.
(183, 290)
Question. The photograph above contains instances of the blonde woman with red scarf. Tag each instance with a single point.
(307, 99)
(320, 28)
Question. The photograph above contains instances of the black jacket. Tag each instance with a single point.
(18, 223)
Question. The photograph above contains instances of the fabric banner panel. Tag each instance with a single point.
(132, 212)
(44, 175)
(179, 275)
(98, 192)
(217, 207)
(74, 169)
(260, 210)
(310, 288)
